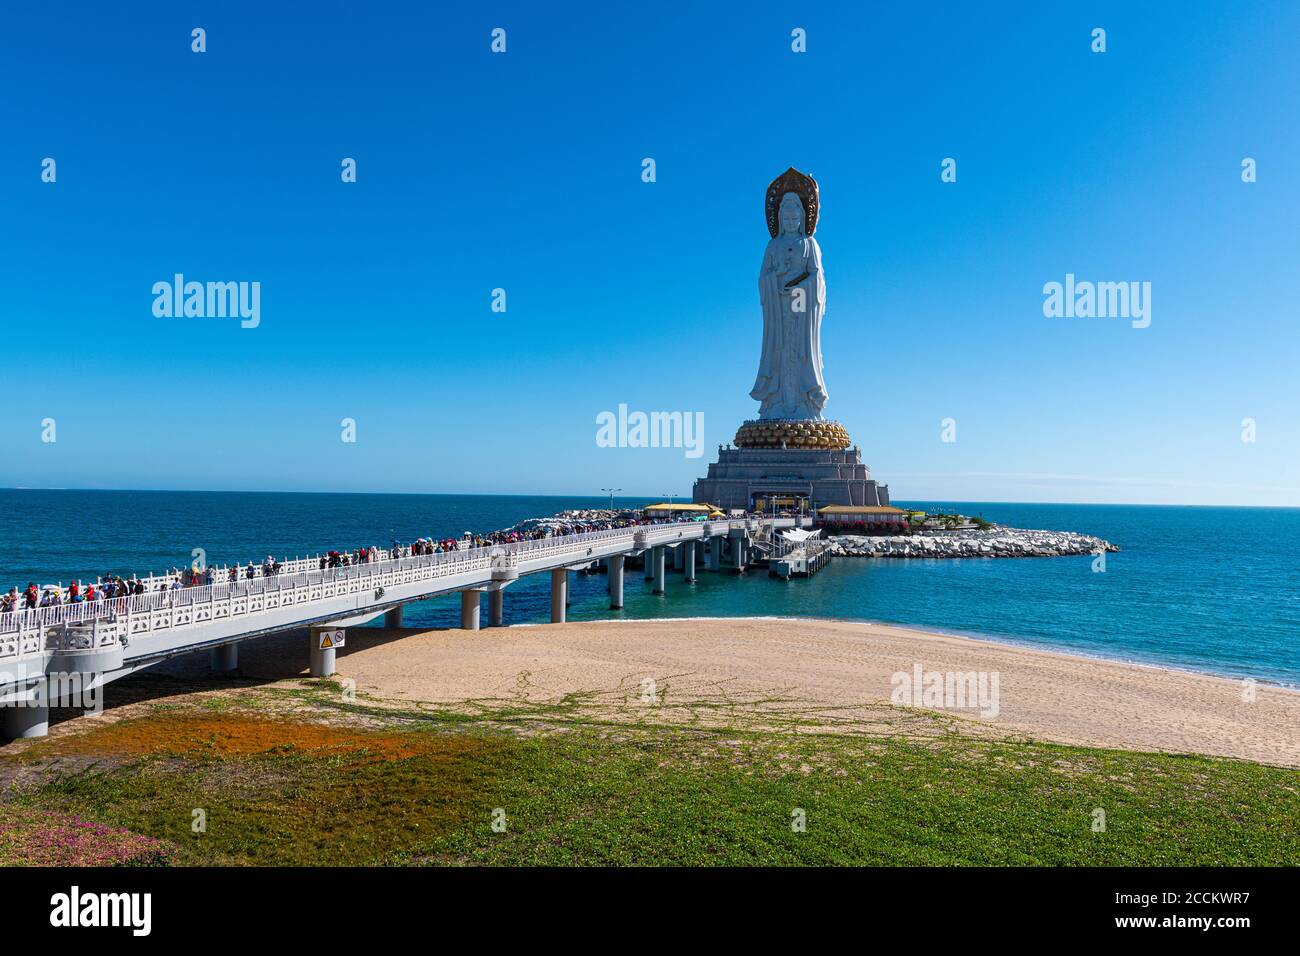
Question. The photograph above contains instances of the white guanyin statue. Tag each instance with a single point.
(789, 385)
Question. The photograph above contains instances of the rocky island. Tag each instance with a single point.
(994, 542)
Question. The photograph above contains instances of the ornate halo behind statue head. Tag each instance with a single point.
(805, 187)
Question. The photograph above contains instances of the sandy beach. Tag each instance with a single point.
(820, 676)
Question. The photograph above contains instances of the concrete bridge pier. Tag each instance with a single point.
(501, 579)
(688, 560)
(658, 561)
(616, 582)
(470, 609)
(21, 722)
(393, 616)
(679, 558)
(715, 553)
(322, 659)
(739, 550)
(224, 659)
(648, 562)
(559, 594)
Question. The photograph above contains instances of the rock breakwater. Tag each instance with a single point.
(990, 543)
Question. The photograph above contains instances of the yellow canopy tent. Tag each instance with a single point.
(685, 507)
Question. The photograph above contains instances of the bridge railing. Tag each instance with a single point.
(541, 547)
(30, 621)
(221, 573)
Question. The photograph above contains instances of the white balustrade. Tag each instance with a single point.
(304, 581)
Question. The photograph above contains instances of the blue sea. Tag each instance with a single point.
(1207, 589)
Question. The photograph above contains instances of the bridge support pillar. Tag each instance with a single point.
(470, 608)
(615, 582)
(393, 617)
(559, 594)
(648, 560)
(658, 562)
(24, 722)
(679, 558)
(496, 607)
(322, 659)
(715, 553)
(688, 560)
(224, 659)
(739, 550)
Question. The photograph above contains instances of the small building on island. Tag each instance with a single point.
(871, 519)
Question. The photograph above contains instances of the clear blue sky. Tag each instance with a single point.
(522, 171)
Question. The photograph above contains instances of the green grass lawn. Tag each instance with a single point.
(421, 788)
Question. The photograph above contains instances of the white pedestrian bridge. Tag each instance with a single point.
(99, 641)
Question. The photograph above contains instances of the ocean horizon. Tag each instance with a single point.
(622, 500)
(1195, 587)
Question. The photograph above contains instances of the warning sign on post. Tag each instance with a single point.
(330, 639)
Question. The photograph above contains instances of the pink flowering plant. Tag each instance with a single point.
(42, 838)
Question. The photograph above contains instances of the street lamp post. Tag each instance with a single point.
(611, 492)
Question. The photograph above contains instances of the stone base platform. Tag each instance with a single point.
(741, 477)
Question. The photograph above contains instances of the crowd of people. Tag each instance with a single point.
(33, 597)
(343, 559)
(115, 586)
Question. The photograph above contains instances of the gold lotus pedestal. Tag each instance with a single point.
(792, 434)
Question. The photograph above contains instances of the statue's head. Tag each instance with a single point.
(791, 214)
(793, 187)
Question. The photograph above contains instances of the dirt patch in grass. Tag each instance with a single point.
(232, 734)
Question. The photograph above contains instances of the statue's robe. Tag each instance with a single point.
(789, 383)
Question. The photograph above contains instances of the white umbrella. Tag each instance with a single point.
(799, 535)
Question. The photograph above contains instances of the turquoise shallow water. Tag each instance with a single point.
(1211, 589)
